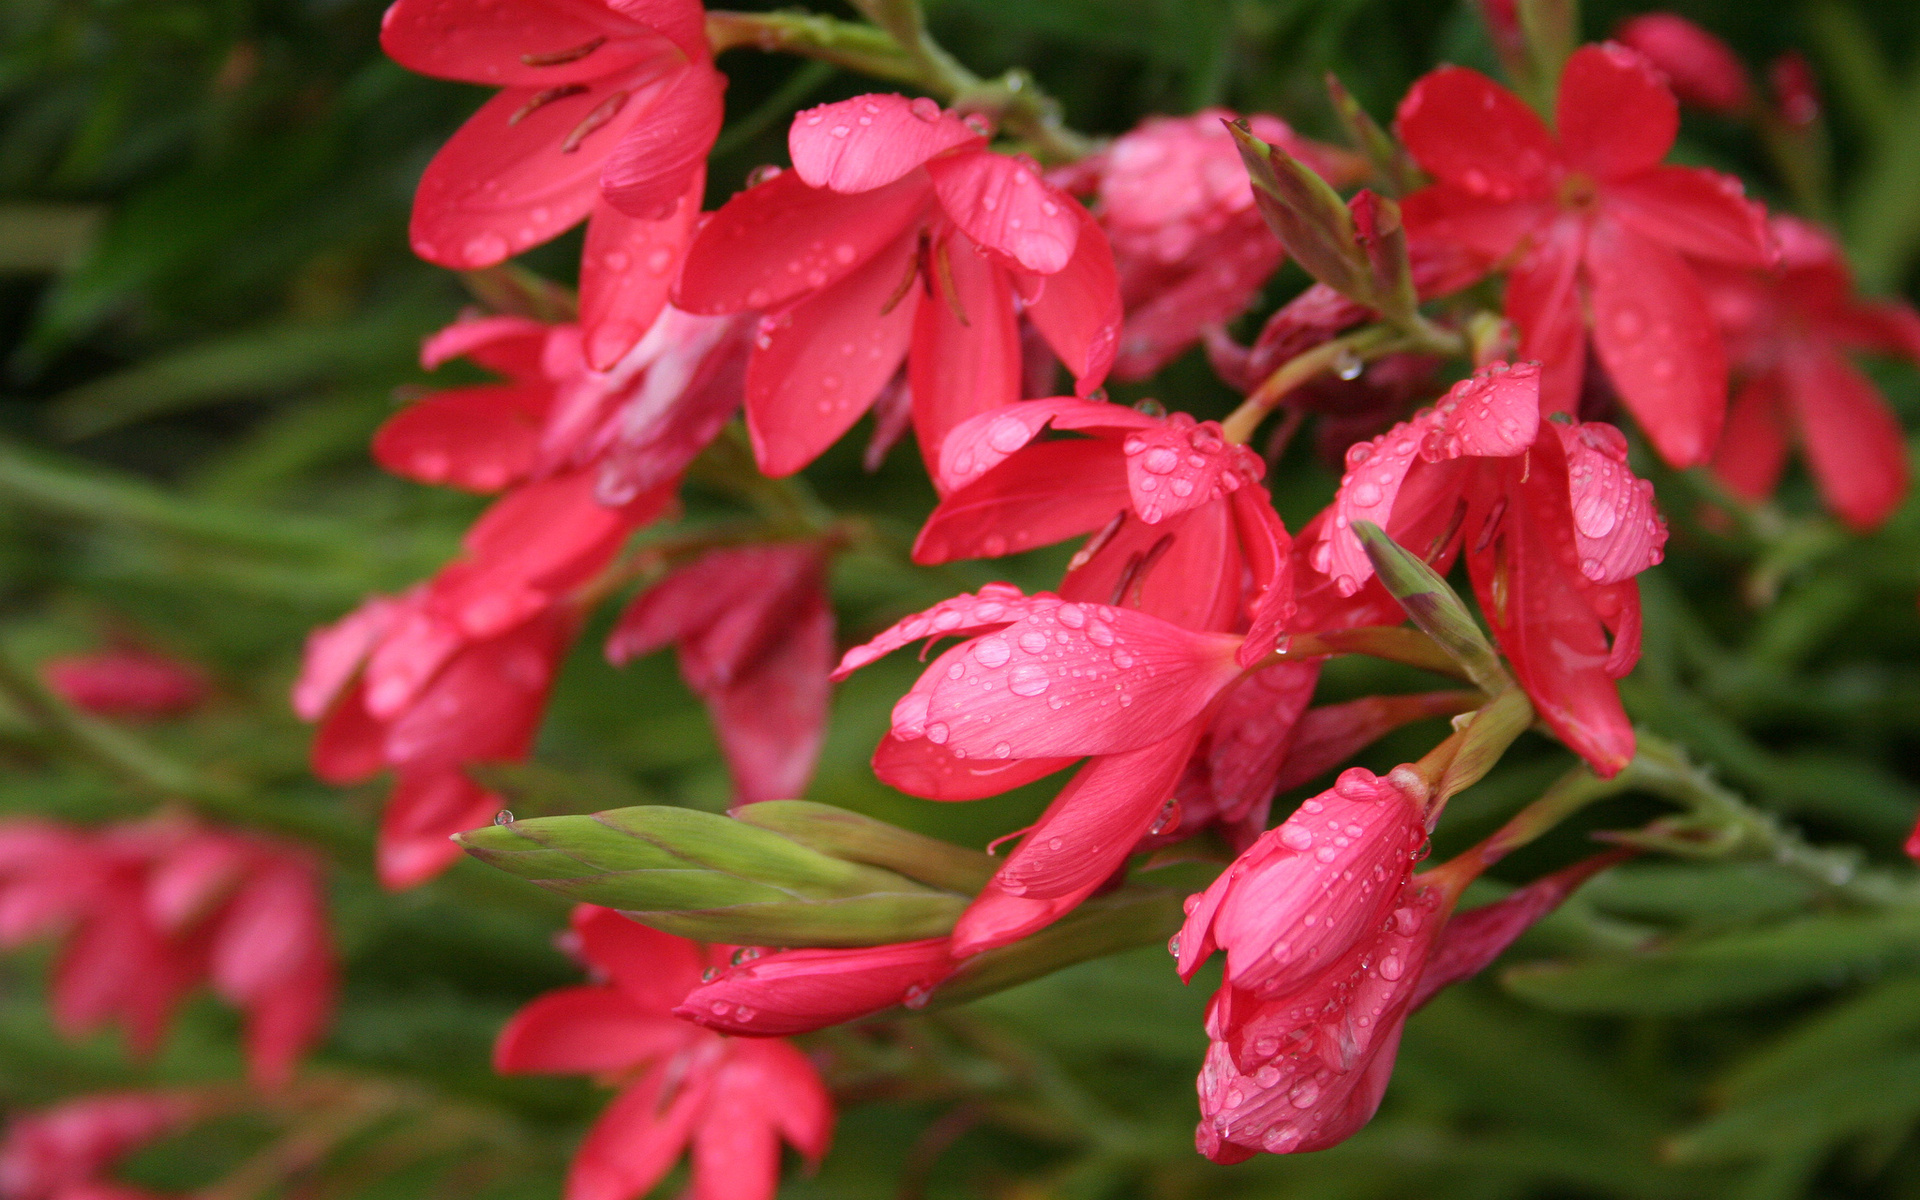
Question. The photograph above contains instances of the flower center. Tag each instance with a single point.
(1578, 191)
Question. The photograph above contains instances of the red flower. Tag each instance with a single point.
(1177, 512)
(733, 1100)
(606, 108)
(898, 235)
(797, 991)
(1598, 226)
(1554, 527)
(1044, 682)
(126, 682)
(151, 910)
(1190, 247)
(1789, 330)
(57, 1153)
(640, 422)
(1701, 69)
(1331, 944)
(755, 633)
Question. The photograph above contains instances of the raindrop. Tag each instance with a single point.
(503, 817)
(1028, 679)
(709, 975)
(1295, 837)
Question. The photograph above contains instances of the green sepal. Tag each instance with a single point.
(1434, 606)
(1307, 215)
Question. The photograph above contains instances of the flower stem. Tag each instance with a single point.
(1360, 346)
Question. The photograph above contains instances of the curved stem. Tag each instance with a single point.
(1359, 347)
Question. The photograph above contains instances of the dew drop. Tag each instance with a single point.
(992, 652)
(1295, 837)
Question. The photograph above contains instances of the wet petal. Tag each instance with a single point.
(1468, 131)
(870, 141)
(1615, 113)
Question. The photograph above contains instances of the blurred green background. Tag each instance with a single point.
(207, 306)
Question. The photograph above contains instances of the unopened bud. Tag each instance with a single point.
(1434, 606)
(853, 837)
(1306, 214)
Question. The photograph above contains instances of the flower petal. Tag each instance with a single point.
(646, 173)
(1046, 493)
(772, 721)
(1468, 131)
(1078, 311)
(1853, 443)
(480, 439)
(1543, 299)
(994, 605)
(1655, 334)
(1753, 445)
(638, 1138)
(1615, 113)
(1003, 204)
(798, 991)
(965, 357)
(627, 269)
(504, 183)
(817, 366)
(584, 1030)
(492, 44)
(919, 768)
(1702, 214)
(870, 141)
(780, 239)
(1074, 679)
(427, 807)
(1616, 528)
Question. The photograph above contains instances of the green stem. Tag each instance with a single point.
(1358, 347)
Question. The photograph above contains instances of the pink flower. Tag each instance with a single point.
(1599, 226)
(639, 423)
(797, 991)
(1701, 69)
(1790, 330)
(1178, 515)
(1554, 527)
(755, 632)
(1189, 245)
(898, 235)
(1303, 1045)
(57, 1153)
(126, 682)
(149, 911)
(732, 1100)
(1039, 683)
(606, 109)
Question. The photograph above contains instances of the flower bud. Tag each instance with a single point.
(1313, 887)
(797, 991)
(126, 683)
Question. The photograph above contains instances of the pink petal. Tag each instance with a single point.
(1702, 214)
(285, 1021)
(334, 654)
(1616, 528)
(1654, 332)
(627, 270)
(485, 704)
(647, 173)
(1047, 493)
(1079, 308)
(919, 768)
(1071, 680)
(426, 809)
(1178, 466)
(1543, 299)
(1252, 733)
(985, 440)
(1753, 445)
(1080, 841)
(817, 366)
(638, 1138)
(1495, 413)
(965, 356)
(350, 744)
(584, 1030)
(870, 141)
(1615, 114)
(1002, 203)
(993, 606)
(1536, 605)
(1451, 216)
(1188, 569)
(656, 970)
(480, 439)
(513, 346)
(728, 609)
(275, 925)
(1853, 443)
(736, 1153)
(490, 45)
(1473, 939)
(500, 186)
(1376, 470)
(791, 1092)
(184, 886)
(1470, 132)
(1701, 68)
(682, 22)
(772, 721)
(1224, 283)
(780, 239)
(798, 991)
(416, 644)
(1329, 735)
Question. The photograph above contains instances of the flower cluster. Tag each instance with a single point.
(909, 265)
(148, 911)
(65, 1152)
